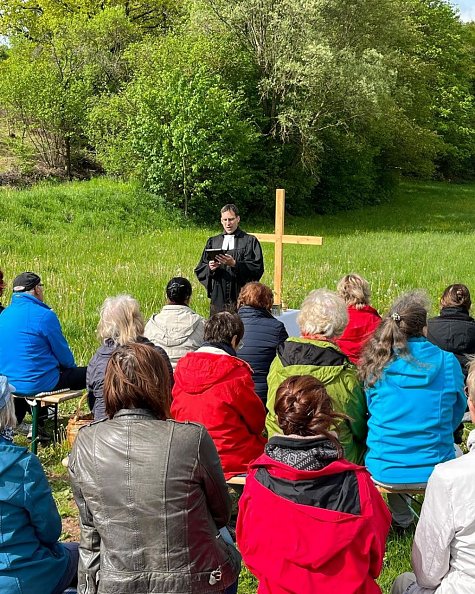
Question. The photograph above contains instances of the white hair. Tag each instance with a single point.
(7, 415)
(121, 320)
(322, 312)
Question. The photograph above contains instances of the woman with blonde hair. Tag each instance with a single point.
(363, 319)
(415, 399)
(120, 323)
(310, 521)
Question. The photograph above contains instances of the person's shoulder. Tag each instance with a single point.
(460, 470)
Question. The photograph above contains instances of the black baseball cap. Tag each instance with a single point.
(26, 281)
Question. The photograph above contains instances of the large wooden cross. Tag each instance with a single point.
(278, 238)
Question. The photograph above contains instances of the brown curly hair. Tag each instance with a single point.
(303, 407)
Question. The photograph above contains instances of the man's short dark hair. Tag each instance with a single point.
(223, 326)
(231, 208)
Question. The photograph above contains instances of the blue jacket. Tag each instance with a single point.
(414, 409)
(262, 335)
(31, 559)
(32, 346)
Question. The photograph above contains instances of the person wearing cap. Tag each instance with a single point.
(34, 354)
(226, 274)
(31, 558)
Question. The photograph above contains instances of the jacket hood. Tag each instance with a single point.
(338, 529)
(199, 371)
(10, 455)
(305, 352)
(413, 372)
(173, 325)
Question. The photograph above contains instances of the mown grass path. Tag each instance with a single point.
(94, 239)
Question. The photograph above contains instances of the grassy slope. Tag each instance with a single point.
(90, 240)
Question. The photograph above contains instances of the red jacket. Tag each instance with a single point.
(217, 391)
(361, 325)
(297, 548)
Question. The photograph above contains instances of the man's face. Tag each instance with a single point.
(38, 292)
(229, 221)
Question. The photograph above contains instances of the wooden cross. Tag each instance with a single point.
(279, 239)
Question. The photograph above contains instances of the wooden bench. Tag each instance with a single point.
(52, 399)
(386, 489)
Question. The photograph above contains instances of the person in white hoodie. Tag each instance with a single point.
(177, 328)
(443, 553)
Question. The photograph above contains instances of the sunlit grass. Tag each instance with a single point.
(96, 239)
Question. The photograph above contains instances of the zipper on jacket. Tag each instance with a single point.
(215, 576)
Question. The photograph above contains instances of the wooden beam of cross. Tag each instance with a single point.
(278, 238)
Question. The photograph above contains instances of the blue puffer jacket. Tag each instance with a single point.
(31, 559)
(33, 347)
(414, 409)
(262, 335)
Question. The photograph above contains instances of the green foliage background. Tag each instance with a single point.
(207, 101)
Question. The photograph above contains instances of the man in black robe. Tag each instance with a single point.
(241, 263)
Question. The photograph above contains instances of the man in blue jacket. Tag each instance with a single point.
(34, 354)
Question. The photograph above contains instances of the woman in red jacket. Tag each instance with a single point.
(362, 318)
(215, 388)
(310, 521)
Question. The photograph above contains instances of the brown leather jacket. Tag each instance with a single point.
(151, 497)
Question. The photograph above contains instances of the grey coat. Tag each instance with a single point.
(151, 497)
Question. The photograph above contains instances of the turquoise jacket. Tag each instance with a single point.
(414, 408)
(324, 361)
(31, 559)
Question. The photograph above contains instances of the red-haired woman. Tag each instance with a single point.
(153, 503)
(309, 520)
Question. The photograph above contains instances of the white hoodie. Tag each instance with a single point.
(177, 329)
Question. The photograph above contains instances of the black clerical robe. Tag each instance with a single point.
(223, 285)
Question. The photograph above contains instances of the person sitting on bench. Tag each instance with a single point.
(443, 554)
(31, 558)
(415, 400)
(310, 521)
(34, 354)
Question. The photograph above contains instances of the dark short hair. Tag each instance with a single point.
(303, 407)
(2, 283)
(221, 327)
(137, 377)
(456, 296)
(256, 294)
(178, 290)
(230, 207)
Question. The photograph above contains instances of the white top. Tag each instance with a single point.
(443, 555)
(228, 242)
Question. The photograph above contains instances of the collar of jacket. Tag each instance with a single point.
(136, 413)
(237, 233)
(20, 297)
(457, 313)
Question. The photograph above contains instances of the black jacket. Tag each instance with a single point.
(151, 497)
(223, 285)
(453, 331)
(262, 335)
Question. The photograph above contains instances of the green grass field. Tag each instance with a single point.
(90, 240)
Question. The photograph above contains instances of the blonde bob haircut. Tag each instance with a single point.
(323, 312)
(121, 320)
(7, 415)
(355, 290)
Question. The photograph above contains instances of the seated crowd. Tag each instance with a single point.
(357, 404)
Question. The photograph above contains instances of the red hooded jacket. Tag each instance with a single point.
(361, 325)
(217, 391)
(297, 548)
